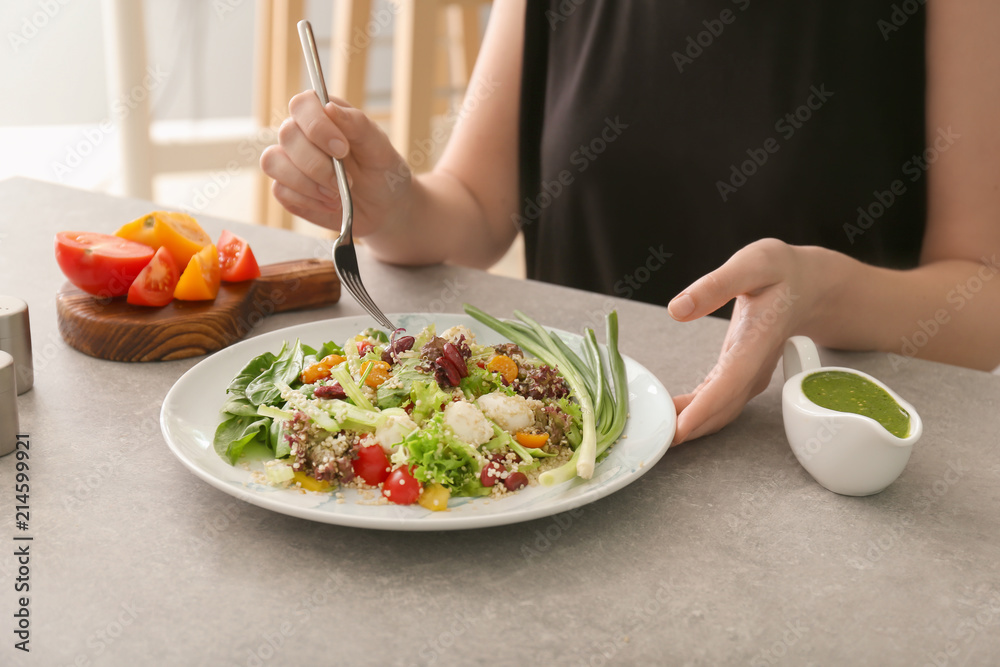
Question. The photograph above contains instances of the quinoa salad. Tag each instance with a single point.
(426, 417)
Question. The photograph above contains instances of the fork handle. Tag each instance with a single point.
(303, 283)
(315, 70)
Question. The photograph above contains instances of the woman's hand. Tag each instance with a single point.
(304, 179)
(774, 285)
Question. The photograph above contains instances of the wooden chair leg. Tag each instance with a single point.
(463, 41)
(349, 50)
(413, 80)
(286, 80)
(125, 54)
(262, 100)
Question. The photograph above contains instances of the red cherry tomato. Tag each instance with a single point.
(236, 259)
(155, 284)
(101, 264)
(372, 465)
(401, 487)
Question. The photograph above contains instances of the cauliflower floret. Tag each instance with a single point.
(392, 428)
(467, 422)
(512, 413)
(453, 334)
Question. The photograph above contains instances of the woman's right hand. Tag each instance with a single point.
(304, 179)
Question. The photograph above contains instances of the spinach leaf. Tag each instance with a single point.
(234, 434)
(240, 405)
(286, 368)
(255, 367)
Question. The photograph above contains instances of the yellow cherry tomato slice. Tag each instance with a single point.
(505, 366)
(434, 497)
(531, 440)
(179, 233)
(311, 483)
(200, 280)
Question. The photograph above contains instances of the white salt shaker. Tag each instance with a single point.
(15, 339)
(8, 405)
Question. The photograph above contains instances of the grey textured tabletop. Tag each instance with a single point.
(725, 552)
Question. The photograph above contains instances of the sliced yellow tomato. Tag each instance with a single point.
(179, 233)
(311, 483)
(200, 280)
(531, 440)
(434, 497)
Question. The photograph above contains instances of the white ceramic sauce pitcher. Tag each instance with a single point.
(848, 453)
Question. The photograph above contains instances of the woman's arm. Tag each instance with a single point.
(460, 211)
(947, 309)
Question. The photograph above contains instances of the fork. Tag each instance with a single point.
(345, 258)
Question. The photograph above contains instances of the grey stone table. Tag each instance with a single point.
(726, 552)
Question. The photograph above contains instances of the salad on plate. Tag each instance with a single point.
(424, 417)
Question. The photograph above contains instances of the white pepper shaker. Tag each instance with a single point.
(8, 405)
(15, 339)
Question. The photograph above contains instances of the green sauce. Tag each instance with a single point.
(848, 392)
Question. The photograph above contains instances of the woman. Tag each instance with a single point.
(844, 157)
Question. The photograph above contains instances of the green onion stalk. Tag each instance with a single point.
(587, 382)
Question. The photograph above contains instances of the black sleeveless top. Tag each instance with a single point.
(658, 137)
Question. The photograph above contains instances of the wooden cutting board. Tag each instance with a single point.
(116, 330)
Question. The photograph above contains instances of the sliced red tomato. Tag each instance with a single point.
(200, 280)
(372, 465)
(401, 487)
(154, 286)
(236, 259)
(100, 264)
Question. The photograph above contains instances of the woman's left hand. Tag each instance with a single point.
(775, 288)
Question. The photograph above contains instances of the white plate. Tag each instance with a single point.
(191, 412)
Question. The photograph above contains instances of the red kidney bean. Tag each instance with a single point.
(403, 344)
(445, 364)
(454, 356)
(330, 391)
(490, 474)
(515, 481)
